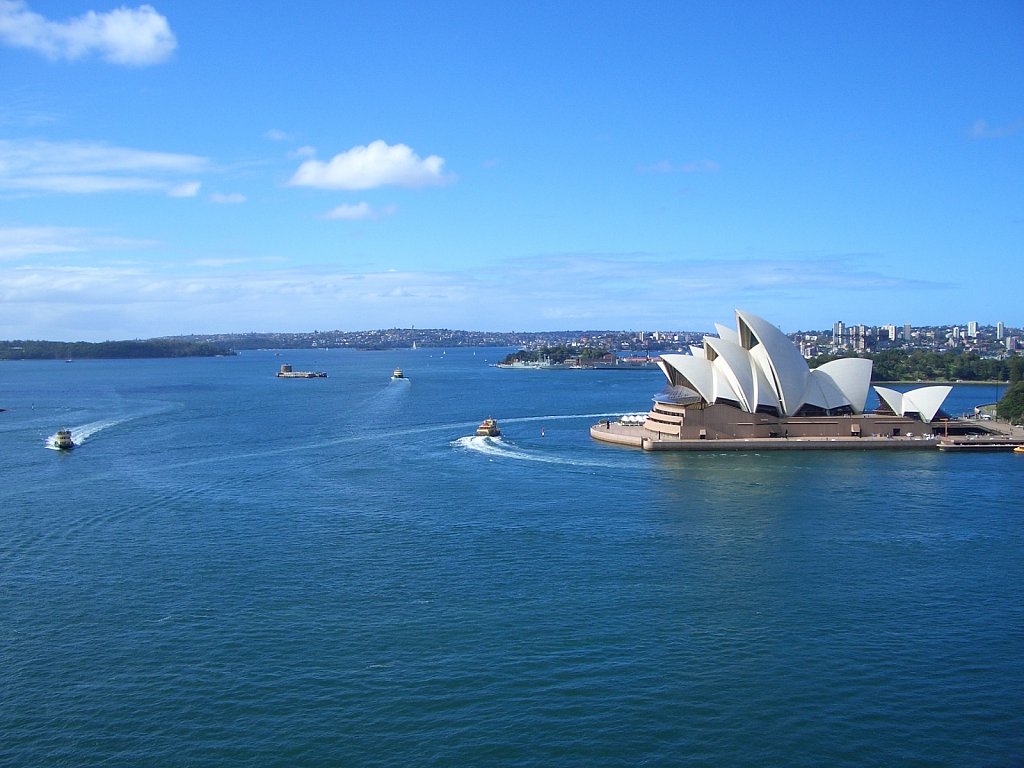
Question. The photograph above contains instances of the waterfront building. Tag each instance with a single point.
(753, 383)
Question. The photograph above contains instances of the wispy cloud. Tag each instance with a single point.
(23, 107)
(665, 166)
(25, 242)
(980, 129)
(127, 36)
(86, 167)
(375, 165)
(234, 261)
(276, 134)
(359, 212)
(230, 198)
(610, 291)
(188, 189)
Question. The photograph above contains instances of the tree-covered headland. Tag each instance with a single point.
(926, 365)
(556, 355)
(83, 350)
(929, 365)
(1011, 407)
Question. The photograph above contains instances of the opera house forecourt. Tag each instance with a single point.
(750, 388)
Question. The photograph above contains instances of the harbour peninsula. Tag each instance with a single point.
(112, 350)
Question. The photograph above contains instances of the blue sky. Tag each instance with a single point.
(194, 167)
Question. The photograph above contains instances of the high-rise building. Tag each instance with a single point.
(838, 331)
(972, 329)
(906, 331)
(1000, 330)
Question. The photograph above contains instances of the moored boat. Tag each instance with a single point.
(62, 440)
(488, 428)
(1019, 449)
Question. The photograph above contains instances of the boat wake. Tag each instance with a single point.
(83, 432)
(562, 417)
(499, 448)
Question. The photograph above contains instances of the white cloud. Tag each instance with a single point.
(85, 157)
(236, 261)
(359, 212)
(19, 242)
(88, 298)
(188, 189)
(982, 130)
(76, 295)
(81, 184)
(25, 242)
(276, 134)
(129, 36)
(88, 167)
(227, 199)
(375, 165)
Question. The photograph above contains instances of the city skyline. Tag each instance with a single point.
(186, 168)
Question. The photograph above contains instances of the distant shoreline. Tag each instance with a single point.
(109, 350)
(943, 382)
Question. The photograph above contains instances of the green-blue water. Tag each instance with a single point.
(233, 569)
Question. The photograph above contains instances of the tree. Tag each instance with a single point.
(1011, 407)
(1016, 369)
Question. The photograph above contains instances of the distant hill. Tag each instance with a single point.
(84, 350)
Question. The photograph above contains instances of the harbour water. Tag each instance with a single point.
(235, 569)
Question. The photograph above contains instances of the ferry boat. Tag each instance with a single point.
(397, 374)
(488, 428)
(62, 440)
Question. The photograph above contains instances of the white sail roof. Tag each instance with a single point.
(733, 363)
(695, 373)
(779, 355)
(757, 366)
(924, 401)
(853, 376)
(822, 392)
(727, 333)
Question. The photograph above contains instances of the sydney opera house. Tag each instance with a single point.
(752, 383)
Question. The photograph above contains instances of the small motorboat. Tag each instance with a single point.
(62, 440)
(488, 428)
(397, 374)
(1019, 449)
